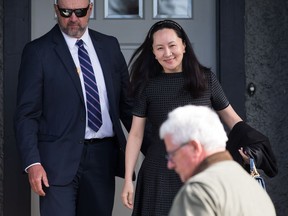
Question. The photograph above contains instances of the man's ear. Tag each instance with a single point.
(196, 147)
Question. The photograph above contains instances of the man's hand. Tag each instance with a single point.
(37, 177)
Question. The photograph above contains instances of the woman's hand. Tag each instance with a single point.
(244, 156)
(127, 194)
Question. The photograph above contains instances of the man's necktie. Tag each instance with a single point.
(92, 95)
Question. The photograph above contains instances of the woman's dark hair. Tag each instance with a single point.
(143, 65)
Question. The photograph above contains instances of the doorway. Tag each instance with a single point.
(130, 28)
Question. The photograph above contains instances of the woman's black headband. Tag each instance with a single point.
(163, 22)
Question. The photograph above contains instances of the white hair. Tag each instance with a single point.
(192, 122)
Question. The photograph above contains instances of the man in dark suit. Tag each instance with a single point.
(70, 164)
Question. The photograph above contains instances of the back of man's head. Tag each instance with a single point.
(199, 123)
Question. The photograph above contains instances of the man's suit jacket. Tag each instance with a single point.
(50, 114)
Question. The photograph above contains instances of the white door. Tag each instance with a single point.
(199, 22)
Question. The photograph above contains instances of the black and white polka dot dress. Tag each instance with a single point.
(156, 184)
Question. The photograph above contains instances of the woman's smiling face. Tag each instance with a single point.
(168, 49)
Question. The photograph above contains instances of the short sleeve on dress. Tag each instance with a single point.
(218, 98)
(140, 104)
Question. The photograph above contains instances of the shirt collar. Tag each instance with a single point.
(71, 41)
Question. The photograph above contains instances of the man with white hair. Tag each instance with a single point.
(195, 141)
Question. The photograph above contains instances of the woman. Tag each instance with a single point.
(165, 74)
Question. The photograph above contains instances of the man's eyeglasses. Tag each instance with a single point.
(79, 12)
(169, 156)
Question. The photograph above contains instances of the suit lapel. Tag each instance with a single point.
(64, 55)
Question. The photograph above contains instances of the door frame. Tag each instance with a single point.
(15, 190)
(230, 52)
